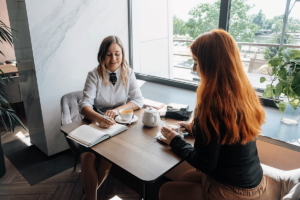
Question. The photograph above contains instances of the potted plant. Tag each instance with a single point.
(8, 117)
(284, 70)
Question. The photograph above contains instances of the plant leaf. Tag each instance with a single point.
(1, 51)
(262, 79)
(296, 84)
(287, 54)
(279, 89)
(18, 121)
(268, 92)
(294, 103)
(281, 106)
(274, 62)
(295, 54)
(282, 74)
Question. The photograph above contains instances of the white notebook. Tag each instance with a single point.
(90, 135)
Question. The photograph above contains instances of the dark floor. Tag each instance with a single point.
(64, 185)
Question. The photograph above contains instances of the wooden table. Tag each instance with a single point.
(136, 150)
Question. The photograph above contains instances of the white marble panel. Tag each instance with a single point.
(66, 35)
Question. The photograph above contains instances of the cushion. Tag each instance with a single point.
(294, 194)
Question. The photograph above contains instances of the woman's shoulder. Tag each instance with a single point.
(93, 73)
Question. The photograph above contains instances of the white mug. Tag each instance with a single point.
(126, 116)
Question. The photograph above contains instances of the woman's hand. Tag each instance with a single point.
(184, 126)
(105, 123)
(111, 113)
(169, 134)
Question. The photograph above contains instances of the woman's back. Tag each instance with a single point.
(235, 164)
(238, 165)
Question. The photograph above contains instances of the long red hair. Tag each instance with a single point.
(225, 93)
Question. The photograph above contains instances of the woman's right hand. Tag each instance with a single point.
(106, 123)
(184, 126)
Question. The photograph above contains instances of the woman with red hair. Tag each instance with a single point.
(227, 120)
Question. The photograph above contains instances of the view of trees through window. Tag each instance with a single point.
(252, 22)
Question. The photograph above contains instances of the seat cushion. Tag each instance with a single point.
(294, 194)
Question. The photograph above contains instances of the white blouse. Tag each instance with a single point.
(106, 97)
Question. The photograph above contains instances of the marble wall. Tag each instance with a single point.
(65, 37)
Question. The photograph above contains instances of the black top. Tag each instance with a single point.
(236, 164)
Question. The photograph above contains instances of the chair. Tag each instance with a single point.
(281, 185)
(70, 112)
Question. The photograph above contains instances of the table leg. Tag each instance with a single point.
(144, 191)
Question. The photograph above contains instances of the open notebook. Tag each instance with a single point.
(90, 135)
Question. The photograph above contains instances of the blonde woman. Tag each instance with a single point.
(107, 88)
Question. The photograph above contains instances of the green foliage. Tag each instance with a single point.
(5, 35)
(262, 79)
(6, 111)
(241, 26)
(270, 52)
(281, 106)
(293, 24)
(179, 26)
(268, 92)
(259, 19)
(205, 17)
(286, 69)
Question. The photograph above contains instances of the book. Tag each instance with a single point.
(90, 135)
(153, 104)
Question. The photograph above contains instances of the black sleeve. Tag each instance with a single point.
(202, 156)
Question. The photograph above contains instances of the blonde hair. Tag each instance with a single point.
(101, 69)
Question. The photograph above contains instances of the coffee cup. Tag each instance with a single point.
(174, 127)
(126, 114)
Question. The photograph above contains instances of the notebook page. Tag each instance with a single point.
(87, 134)
(112, 131)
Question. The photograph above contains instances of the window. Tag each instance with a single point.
(162, 30)
(293, 24)
(258, 29)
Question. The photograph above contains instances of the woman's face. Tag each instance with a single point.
(113, 57)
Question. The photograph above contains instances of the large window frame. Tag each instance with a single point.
(224, 19)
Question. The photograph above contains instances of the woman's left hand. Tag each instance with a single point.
(111, 113)
(169, 134)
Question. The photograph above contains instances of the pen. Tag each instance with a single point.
(103, 114)
(99, 111)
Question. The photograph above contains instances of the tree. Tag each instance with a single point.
(179, 26)
(268, 23)
(293, 24)
(259, 19)
(204, 17)
(241, 26)
(270, 52)
(277, 26)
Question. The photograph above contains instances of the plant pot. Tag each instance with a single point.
(2, 162)
(290, 115)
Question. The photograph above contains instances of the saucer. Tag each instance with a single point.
(121, 121)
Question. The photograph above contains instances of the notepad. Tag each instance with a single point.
(90, 135)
